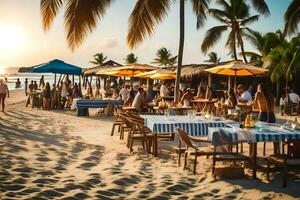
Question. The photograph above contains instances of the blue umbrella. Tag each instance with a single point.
(57, 67)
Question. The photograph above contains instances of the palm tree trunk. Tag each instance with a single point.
(234, 47)
(180, 51)
(243, 51)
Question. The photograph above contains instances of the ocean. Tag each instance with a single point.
(12, 79)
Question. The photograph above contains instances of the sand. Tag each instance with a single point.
(56, 155)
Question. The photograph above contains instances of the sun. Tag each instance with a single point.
(12, 39)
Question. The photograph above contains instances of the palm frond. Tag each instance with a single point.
(200, 7)
(212, 36)
(261, 6)
(249, 20)
(81, 17)
(49, 10)
(292, 17)
(143, 19)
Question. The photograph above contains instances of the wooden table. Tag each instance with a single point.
(204, 105)
(181, 110)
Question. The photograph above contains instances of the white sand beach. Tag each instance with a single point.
(57, 155)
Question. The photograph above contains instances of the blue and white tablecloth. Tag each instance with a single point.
(264, 134)
(96, 103)
(197, 126)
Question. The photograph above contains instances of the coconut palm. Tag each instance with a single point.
(131, 58)
(213, 58)
(264, 44)
(292, 17)
(99, 59)
(164, 58)
(283, 60)
(234, 17)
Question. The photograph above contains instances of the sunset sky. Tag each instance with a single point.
(24, 43)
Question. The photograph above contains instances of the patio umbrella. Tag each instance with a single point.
(237, 68)
(149, 74)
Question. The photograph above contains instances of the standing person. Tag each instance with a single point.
(64, 93)
(265, 102)
(18, 83)
(47, 96)
(26, 85)
(35, 86)
(3, 92)
(124, 93)
(31, 86)
(164, 91)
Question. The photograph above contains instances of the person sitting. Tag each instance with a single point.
(139, 100)
(201, 92)
(208, 94)
(47, 96)
(232, 101)
(115, 94)
(124, 93)
(244, 95)
(265, 103)
(294, 98)
(164, 91)
(130, 98)
(186, 98)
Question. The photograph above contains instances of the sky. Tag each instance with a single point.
(23, 41)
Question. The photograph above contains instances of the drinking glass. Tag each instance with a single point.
(167, 114)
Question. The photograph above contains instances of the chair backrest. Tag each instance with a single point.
(295, 150)
(184, 137)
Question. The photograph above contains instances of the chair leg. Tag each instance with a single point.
(179, 156)
(285, 172)
(131, 144)
(268, 171)
(264, 149)
(242, 149)
(214, 164)
(185, 157)
(195, 162)
(113, 130)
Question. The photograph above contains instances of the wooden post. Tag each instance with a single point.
(55, 79)
(229, 83)
(73, 81)
(209, 80)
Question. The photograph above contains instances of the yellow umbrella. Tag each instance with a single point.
(154, 72)
(163, 76)
(130, 70)
(237, 68)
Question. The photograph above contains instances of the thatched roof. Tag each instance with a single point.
(196, 70)
(107, 65)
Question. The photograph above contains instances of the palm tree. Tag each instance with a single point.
(213, 58)
(283, 61)
(131, 58)
(99, 59)
(292, 17)
(234, 17)
(164, 57)
(264, 44)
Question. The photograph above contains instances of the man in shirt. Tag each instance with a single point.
(164, 91)
(294, 97)
(124, 93)
(139, 100)
(244, 95)
(3, 92)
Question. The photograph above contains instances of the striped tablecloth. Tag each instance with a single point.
(263, 134)
(96, 103)
(197, 126)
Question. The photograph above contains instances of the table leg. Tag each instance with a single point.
(253, 157)
(155, 146)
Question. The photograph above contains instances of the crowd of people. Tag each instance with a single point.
(58, 96)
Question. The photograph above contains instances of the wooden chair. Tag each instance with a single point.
(285, 161)
(218, 155)
(116, 123)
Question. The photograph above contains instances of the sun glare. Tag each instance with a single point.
(2, 69)
(12, 39)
